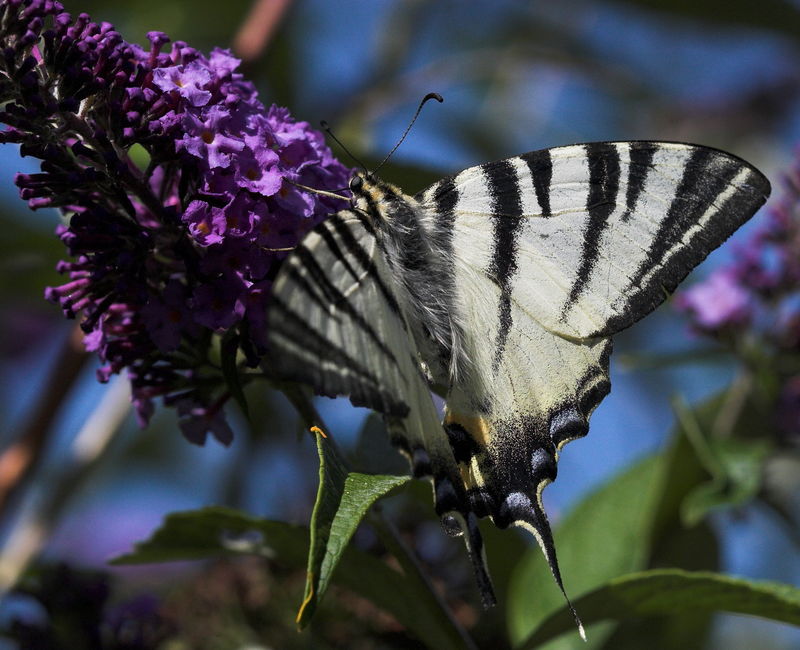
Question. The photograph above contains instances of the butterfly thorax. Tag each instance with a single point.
(420, 274)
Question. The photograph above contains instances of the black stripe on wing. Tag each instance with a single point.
(540, 165)
(304, 353)
(503, 188)
(700, 186)
(707, 176)
(445, 198)
(641, 160)
(604, 172)
(330, 241)
(360, 255)
(571, 419)
(309, 289)
(336, 300)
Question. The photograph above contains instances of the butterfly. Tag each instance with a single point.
(502, 287)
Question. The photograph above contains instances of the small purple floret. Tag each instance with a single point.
(719, 302)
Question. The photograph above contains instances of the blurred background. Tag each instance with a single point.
(516, 76)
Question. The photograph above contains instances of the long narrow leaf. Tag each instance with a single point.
(669, 592)
(343, 499)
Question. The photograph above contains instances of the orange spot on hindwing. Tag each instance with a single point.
(476, 426)
(469, 436)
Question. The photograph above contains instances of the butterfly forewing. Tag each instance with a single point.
(607, 230)
(334, 322)
(554, 251)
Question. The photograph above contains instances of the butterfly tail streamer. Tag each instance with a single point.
(458, 520)
(477, 555)
(545, 539)
(532, 517)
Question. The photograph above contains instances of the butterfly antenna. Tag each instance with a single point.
(427, 97)
(331, 195)
(327, 129)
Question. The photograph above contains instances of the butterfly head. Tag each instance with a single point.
(362, 198)
(357, 183)
(372, 196)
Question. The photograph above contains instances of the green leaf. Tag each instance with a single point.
(400, 595)
(685, 469)
(668, 592)
(742, 462)
(216, 531)
(692, 549)
(734, 462)
(606, 534)
(343, 499)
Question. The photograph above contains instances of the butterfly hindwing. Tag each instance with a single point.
(508, 424)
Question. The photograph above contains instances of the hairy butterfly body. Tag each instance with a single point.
(502, 285)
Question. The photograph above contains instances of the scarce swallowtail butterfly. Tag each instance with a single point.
(503, 286)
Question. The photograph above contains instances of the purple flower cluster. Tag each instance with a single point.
(754, 303)
(719, 303)
(759, 289)
(181, 191)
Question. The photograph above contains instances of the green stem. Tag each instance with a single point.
(694, 434)
(733, 404)
(394, 543)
